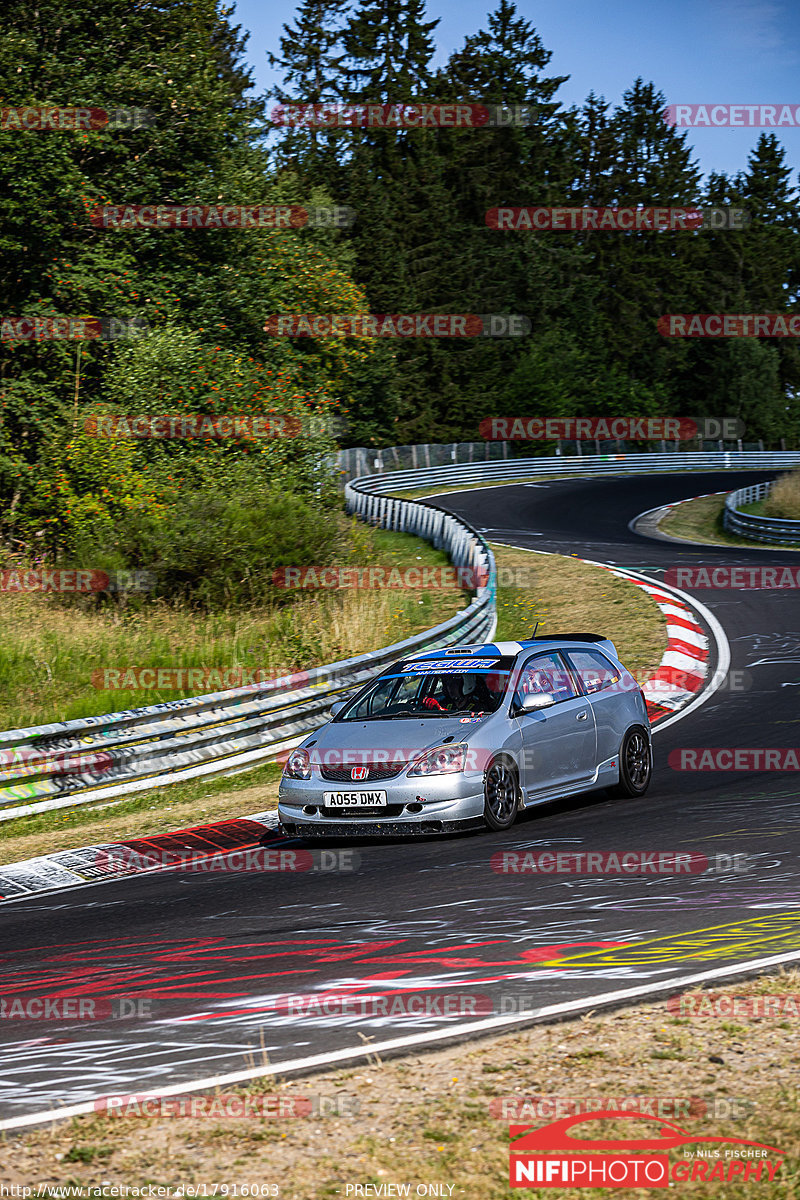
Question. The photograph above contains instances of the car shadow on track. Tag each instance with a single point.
(537, 813)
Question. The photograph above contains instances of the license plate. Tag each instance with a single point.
(354, 799)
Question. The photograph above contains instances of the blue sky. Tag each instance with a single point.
(695, 51)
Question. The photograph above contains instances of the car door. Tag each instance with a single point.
(602, 681)
(559, 744)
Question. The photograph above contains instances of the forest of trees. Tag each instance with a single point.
(419, 243)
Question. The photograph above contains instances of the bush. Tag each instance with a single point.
(211, 534)
(79, 490)
(219, 551)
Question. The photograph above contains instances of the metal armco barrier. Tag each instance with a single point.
(75, 762)
(758, 528)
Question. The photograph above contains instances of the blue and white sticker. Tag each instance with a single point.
(449, 666)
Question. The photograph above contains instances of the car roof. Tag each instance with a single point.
(512, 649)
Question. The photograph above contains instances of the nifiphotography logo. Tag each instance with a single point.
(622, 1163)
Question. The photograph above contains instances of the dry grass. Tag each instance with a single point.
(783, 500)
(426, 1119)
(701, 521)
(570, 596)
(48, 653)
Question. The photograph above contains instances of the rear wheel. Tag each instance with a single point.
(635, 764)
(501, 795)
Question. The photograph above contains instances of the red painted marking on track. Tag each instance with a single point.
(679, 678)
(683, 623)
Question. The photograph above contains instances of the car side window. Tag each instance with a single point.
(546, 673)
(594, 670)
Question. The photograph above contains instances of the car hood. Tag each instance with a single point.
(412, 734)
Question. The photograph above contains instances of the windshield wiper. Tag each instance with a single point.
(385, 717)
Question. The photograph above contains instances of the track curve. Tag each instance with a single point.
(211, 954)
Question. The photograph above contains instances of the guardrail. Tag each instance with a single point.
(76, 762)
(772, 530)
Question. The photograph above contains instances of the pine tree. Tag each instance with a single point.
(771, 278)
(531, 274)
(389, 50)
(311, 62)
(642, 274)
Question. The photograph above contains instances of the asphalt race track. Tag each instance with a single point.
(212, 954)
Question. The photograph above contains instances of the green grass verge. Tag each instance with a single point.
(176, 806)
(701, 521)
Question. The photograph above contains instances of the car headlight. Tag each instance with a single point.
(443, 760)
(298, 765)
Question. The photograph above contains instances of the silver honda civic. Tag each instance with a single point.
(468, 737)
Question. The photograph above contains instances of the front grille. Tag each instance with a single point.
(376, 771)
(385, 810)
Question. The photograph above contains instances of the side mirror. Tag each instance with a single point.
(337, 707)
(534, 702)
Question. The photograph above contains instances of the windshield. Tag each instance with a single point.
(441, 687)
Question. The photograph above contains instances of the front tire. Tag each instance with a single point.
(501, 795)
(635, 764)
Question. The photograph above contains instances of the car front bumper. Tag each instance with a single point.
(443, 803)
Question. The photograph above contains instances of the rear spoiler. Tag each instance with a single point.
(594, 639)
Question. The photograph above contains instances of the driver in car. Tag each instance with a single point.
(466, 693)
